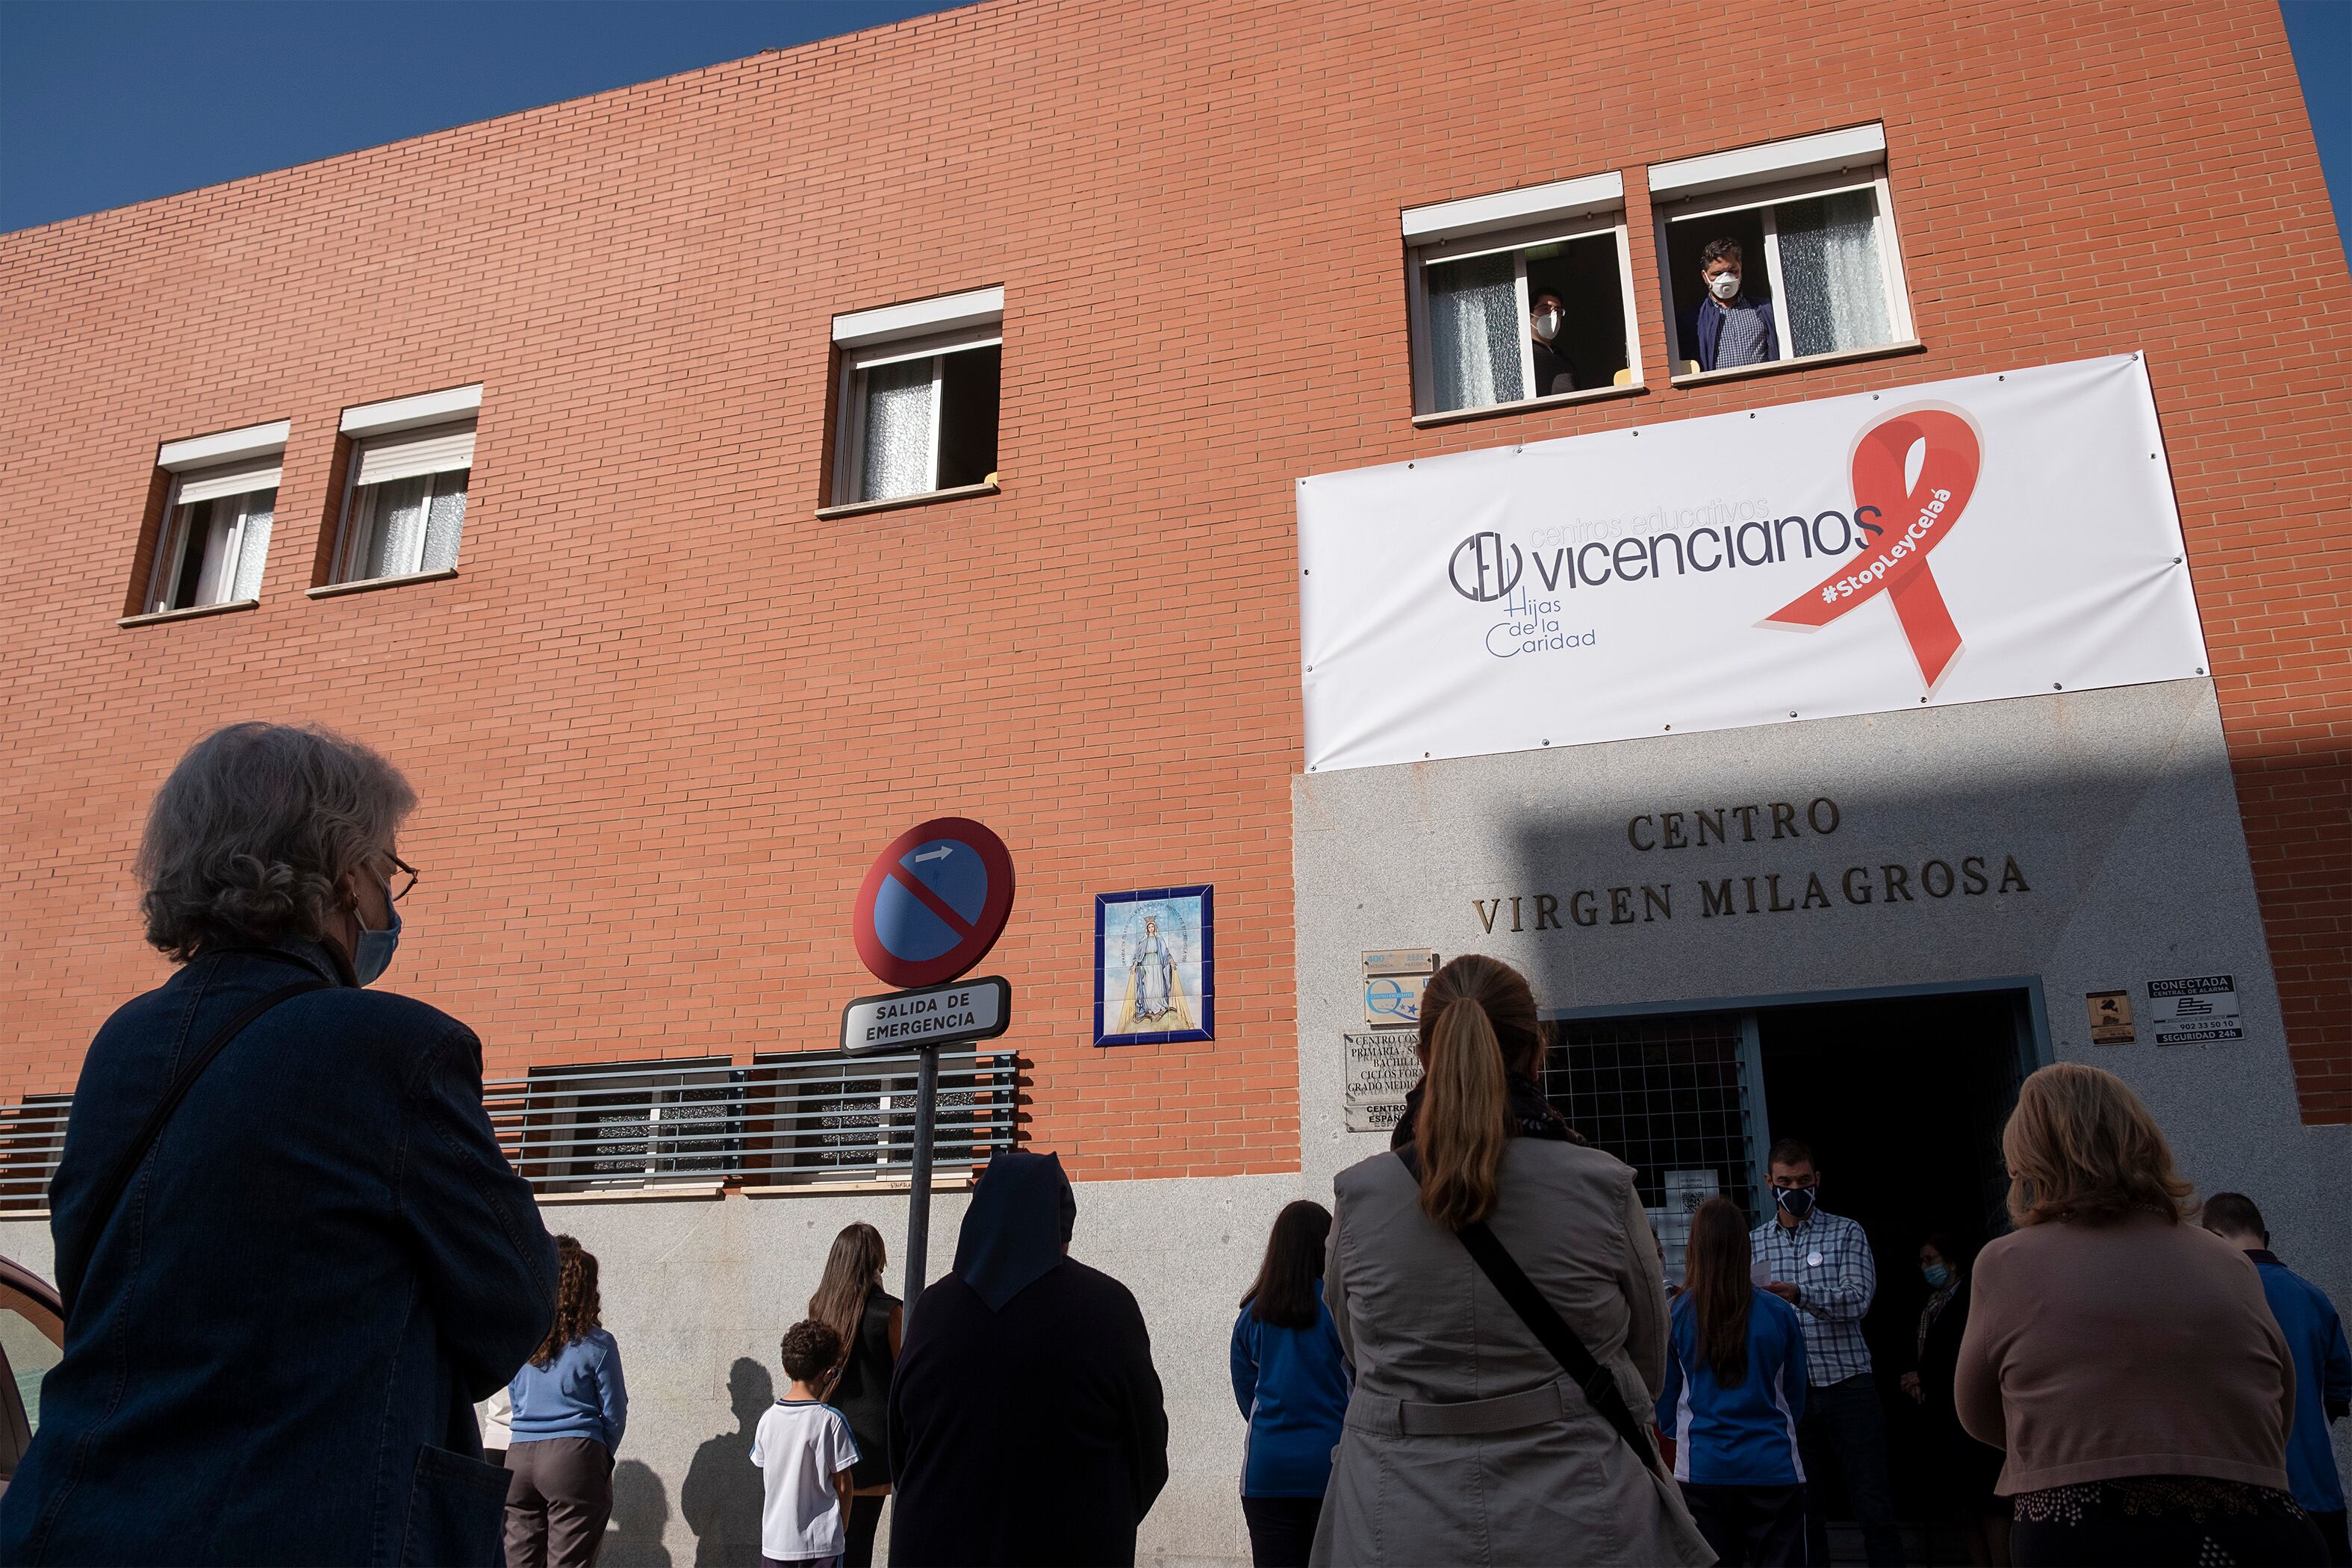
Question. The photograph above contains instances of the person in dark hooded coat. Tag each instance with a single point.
(1025, 1418)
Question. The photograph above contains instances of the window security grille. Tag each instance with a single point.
(789, 1119)
(32, 1140)
(1674, 1097)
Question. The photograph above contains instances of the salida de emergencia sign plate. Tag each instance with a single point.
(938, 1015)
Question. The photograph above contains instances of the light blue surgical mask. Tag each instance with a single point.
(1936, 1275)
(374, 954)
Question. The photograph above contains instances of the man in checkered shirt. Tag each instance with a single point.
(1820, 1264)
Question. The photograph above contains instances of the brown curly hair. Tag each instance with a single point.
(578, 1308)
(810, 1352)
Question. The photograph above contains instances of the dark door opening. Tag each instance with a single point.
(1902, 1100)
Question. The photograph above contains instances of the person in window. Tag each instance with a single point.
(1546, 317)
(1821, 1265)
(277, 1330)
(1726, 328)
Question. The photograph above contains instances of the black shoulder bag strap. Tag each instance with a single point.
(1503, 1271)
(109, 1194)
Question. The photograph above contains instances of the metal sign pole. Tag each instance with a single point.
(918, 1200)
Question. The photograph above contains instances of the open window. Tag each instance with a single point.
(1807, 227)
(212, 539)
(409, 468)
(919, 396)
(1522, 296)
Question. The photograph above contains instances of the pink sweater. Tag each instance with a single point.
(2139, 1349)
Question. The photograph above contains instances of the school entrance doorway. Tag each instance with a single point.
(1902, 1098)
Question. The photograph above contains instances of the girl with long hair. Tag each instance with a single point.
(1734, 1392)
(571, 1406)
(850, 1300)
(2128, 1363)
(1466, 1437)
(1291, 1384)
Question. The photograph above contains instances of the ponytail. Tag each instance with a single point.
(1465, 1122)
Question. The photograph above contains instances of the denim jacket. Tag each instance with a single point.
(322, 1264)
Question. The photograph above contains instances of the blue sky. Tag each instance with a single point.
(104, 102)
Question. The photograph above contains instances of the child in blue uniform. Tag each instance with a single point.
(1734, 1392)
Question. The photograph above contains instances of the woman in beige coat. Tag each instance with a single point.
(1465, 1441)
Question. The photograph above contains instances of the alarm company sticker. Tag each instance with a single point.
(2194, 1011)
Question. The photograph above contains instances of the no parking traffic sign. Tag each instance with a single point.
(931, 906)
(934, 902)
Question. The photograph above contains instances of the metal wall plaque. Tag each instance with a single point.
(2111, 1018)
(2194, 1011)
(1381, 1069)
(1394, 980)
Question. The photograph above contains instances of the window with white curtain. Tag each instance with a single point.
(1815, 228)
(216, 536)
(1522, 296)
(920, 390)
(406, 505)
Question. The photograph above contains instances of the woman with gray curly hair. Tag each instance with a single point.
(291, 1253)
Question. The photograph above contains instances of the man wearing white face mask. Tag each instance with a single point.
(1726, 328)
(1546, 318)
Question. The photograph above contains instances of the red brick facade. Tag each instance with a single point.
(664, 714)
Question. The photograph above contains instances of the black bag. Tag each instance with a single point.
(1503, 1271)
(70, 1269)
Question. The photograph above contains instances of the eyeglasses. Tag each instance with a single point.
(407, 887)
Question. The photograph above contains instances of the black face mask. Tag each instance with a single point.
(1797, 1201)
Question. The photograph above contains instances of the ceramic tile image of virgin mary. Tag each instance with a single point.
(1152, 979)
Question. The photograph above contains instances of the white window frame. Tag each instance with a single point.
(254, 454)
(892, 334)
(403, 430)
(849, 470)
(1516, 221)
(1743, 180)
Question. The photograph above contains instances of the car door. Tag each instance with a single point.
(32, 1341)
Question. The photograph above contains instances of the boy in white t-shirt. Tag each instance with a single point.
(805, 1449)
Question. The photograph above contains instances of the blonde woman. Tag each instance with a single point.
(1468, 1438)
(2126, 1361)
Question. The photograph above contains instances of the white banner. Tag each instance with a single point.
(1957, 542)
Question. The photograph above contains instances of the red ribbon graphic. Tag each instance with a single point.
(1916, 520)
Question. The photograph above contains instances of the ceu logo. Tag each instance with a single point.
(1480, 570)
